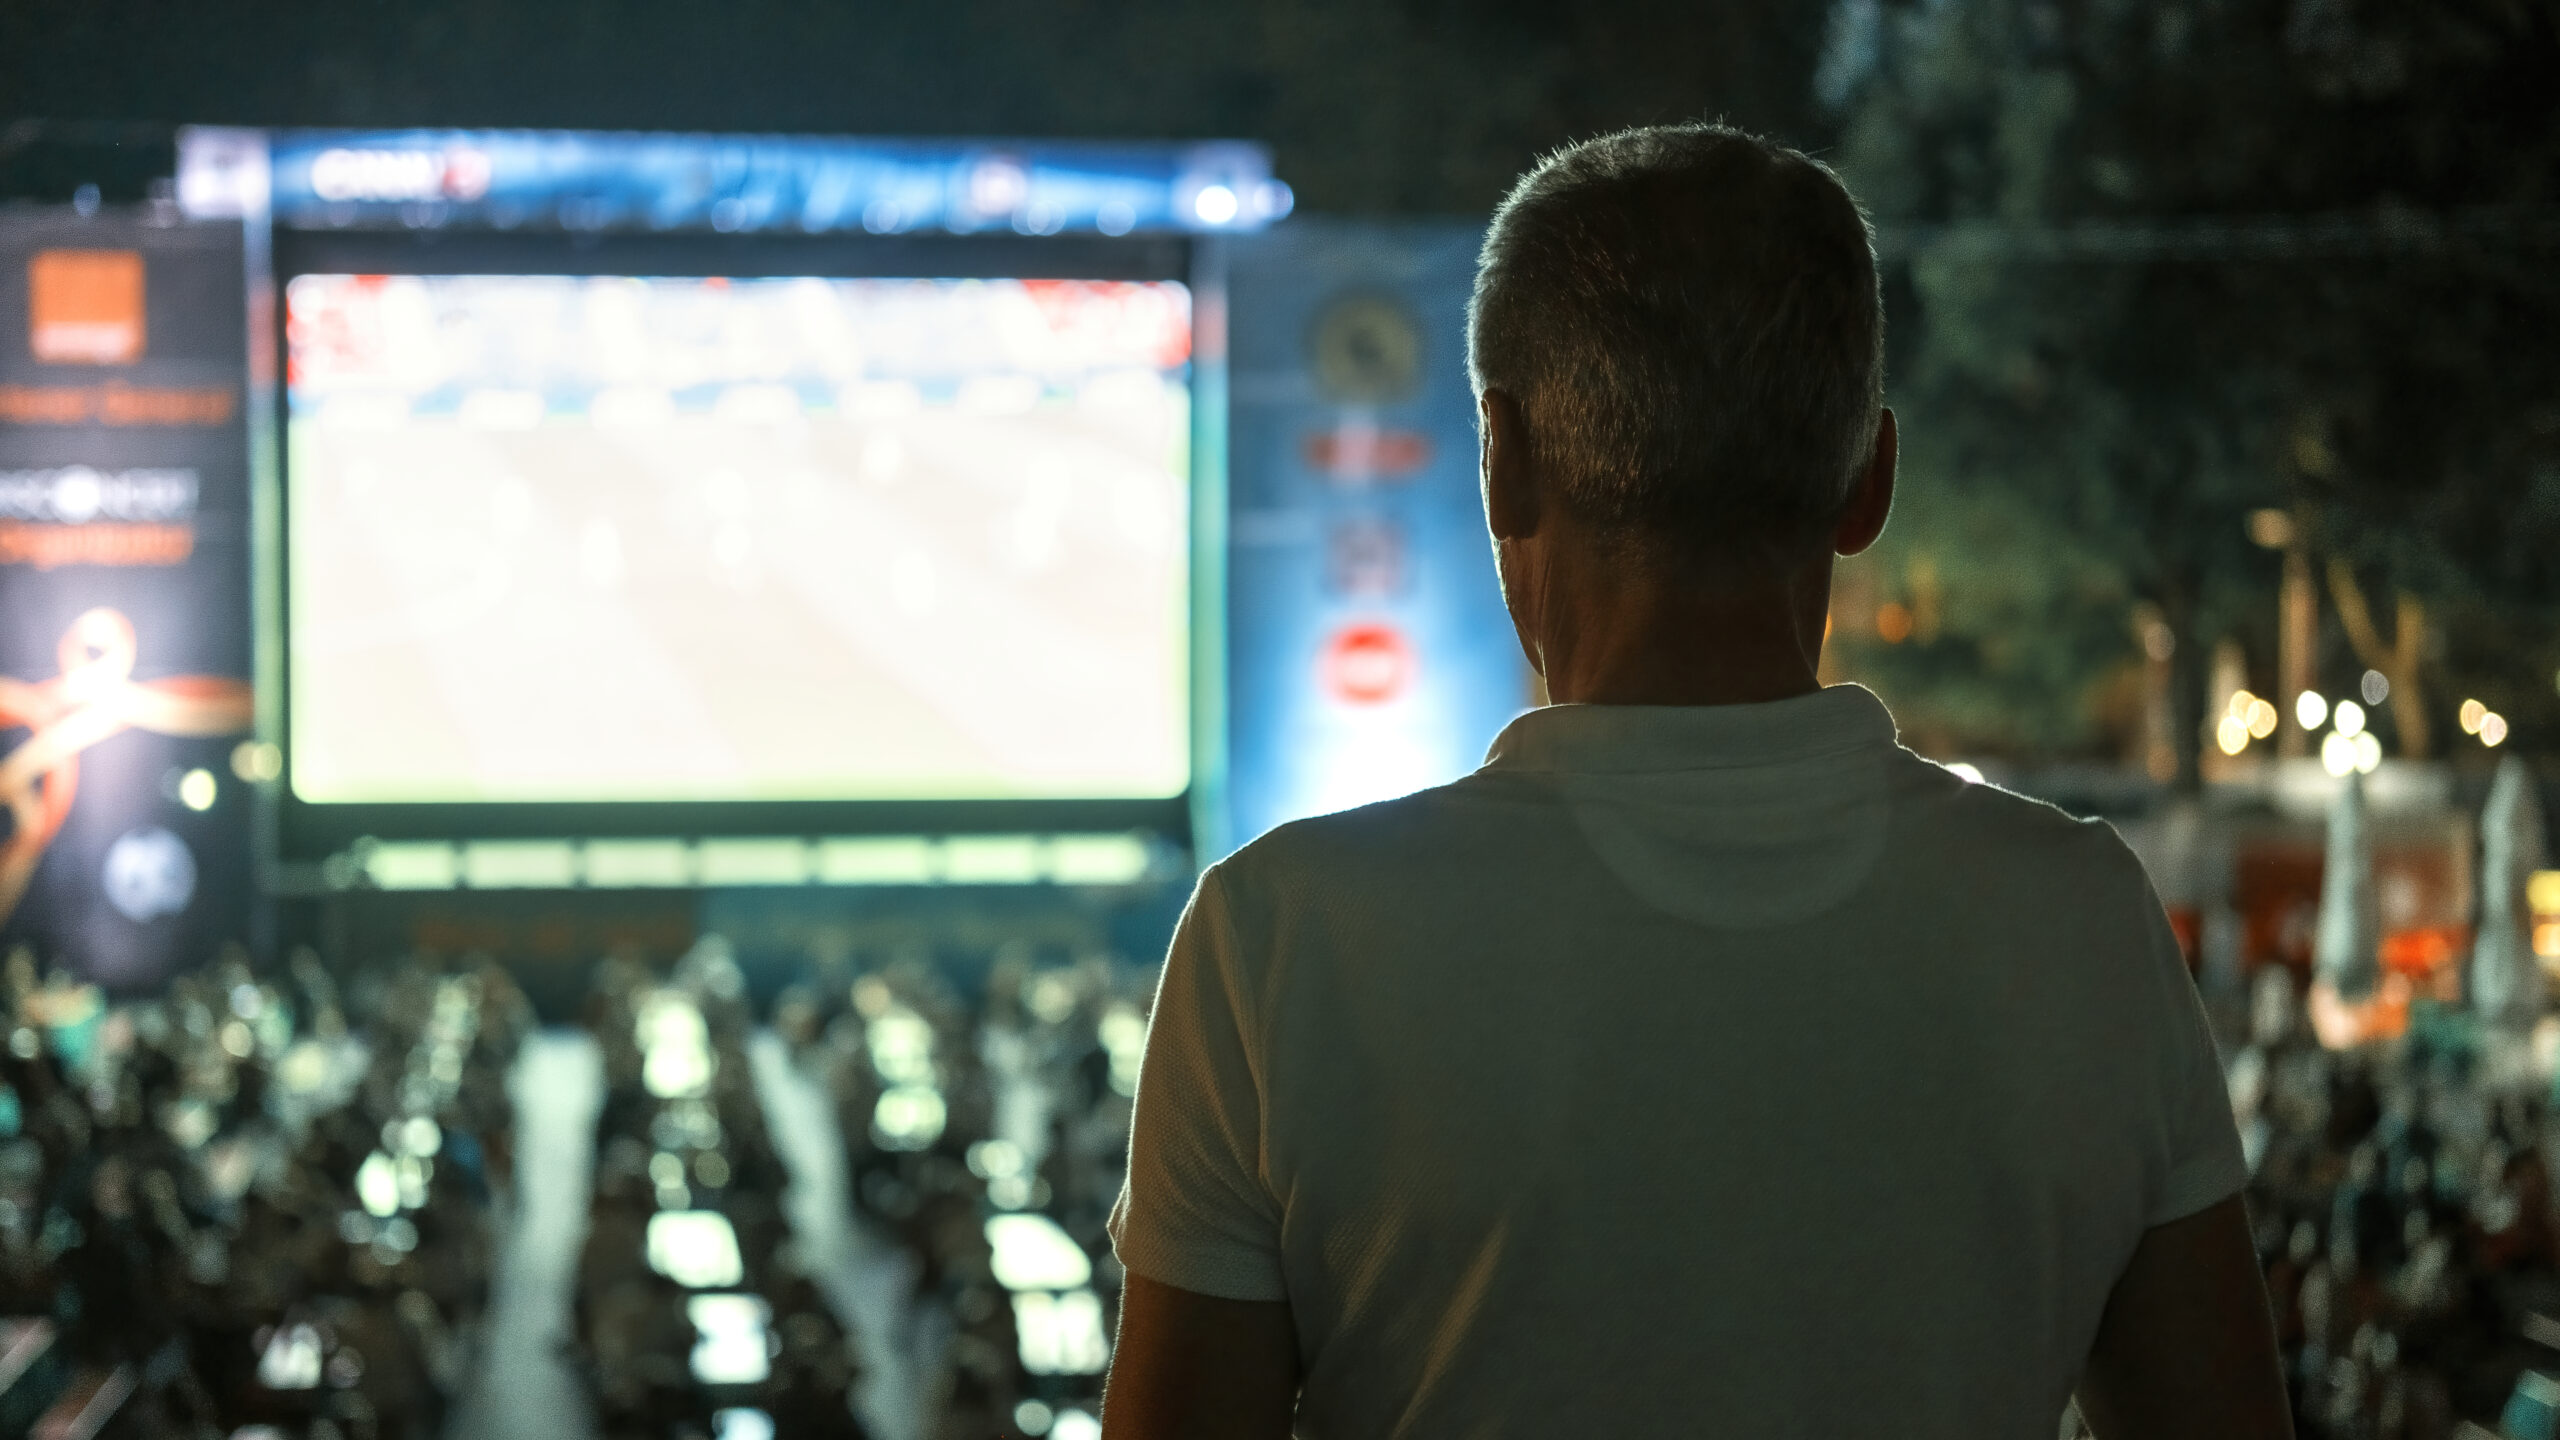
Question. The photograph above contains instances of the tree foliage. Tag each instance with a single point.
(2161, 265)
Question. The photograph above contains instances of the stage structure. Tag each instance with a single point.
(756, 520)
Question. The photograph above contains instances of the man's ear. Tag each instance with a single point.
(1871, 499)
(1510, 481)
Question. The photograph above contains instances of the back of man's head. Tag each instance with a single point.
(1688, 318)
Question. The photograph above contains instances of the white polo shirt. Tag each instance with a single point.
(1683, 1071)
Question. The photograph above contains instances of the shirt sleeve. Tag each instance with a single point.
(1195, 1211)
(2203, 1164)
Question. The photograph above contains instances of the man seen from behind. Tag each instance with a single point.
(1706, 1063)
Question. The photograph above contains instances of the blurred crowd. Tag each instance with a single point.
(2403, 1202)
(264, 1207)
(253, 1206)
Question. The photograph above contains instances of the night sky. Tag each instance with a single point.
(1374, 106)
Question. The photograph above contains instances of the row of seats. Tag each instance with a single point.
(985, 1132)
(695, 1313)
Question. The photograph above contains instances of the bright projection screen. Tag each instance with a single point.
(575, 538)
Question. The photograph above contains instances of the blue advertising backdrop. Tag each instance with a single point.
(1368, 651)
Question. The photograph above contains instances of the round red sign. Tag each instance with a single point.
(1368, 664)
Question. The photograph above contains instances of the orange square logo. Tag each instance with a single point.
(84, 307)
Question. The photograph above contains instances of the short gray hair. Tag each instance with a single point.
(1689, 318)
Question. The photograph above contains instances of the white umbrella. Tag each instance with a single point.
(2347, 952)
(2505, 983)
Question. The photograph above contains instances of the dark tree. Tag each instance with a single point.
(2162, 265)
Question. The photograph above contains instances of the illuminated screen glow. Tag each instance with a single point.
(595, 538)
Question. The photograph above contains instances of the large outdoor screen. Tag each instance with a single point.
(608, 538)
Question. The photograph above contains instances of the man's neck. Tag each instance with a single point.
(1612, 631)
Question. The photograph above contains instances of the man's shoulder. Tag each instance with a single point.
(1957, 820)
(1316, 838)
(1353, 841)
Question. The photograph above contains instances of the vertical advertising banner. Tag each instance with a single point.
(124, 594)
(1369, 654)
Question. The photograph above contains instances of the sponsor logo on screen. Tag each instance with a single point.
(1366, 350)
(148, 873)
(116, 405)
(77, 515)
(1368, 664)
(1365, 557)
(76, 494)
(459, 173)
(84, 307)
(1356, 453)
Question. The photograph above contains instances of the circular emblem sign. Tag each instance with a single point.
(1367, 351)
(149, 873)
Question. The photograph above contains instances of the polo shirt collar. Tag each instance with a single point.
(1638, 739)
